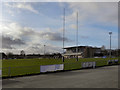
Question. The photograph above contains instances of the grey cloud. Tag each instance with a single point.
(53, 49)
(29, 35)
(24, 6)
(7, 42)
(84, 37)
(38, 48)
(95, 12)
(35, 47)
(54, 36)
(28, 31)
(33, 39)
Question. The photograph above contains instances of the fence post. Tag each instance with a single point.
(0, 73)
(9, 71)
(94, 64)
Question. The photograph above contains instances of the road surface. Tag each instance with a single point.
(102, 77)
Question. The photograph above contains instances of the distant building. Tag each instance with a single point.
(31, 56)
(83, 52)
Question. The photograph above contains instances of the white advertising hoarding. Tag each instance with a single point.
(116, 60)
(113, 61)
(47, 68)
(88, 64)
(83, 64)
(59, 67)
(50, 68)
(43, 68)
(94, 64)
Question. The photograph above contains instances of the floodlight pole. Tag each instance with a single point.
(44, 50)
(63, 33)
(110, 33)
(77, 38)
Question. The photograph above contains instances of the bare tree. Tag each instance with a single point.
(10, 55)
(22, 53)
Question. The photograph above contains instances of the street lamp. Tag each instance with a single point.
(110, 33)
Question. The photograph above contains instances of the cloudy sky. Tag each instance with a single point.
(29, 25)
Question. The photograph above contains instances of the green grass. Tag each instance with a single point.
(16, 67)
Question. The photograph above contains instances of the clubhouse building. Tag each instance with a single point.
(82, 51)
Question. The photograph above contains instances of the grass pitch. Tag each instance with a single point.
(16, 67)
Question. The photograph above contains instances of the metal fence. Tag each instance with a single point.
(26, 70)
(21, 70)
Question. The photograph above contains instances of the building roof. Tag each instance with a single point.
(81, 46)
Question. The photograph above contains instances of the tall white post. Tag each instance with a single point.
(63, 33)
